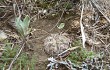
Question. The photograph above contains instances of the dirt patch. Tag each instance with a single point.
(42, 30)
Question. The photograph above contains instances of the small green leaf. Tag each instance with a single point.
(26, 21)
(61, 25)
(19, 27)
(22, 26)
(25, 24)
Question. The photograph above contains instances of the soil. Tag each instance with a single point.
(42, 27)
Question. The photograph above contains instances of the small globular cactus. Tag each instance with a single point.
(56, 43)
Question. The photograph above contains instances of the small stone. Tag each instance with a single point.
(3, 35)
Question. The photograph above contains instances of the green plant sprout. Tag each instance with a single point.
(22, 63)
(81, 54)
(61, 26)
(22, 26)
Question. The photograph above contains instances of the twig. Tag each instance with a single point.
(16, 56)
(47, 13)
(98, 8)
(58, 21)
(60, 18)
(82, 27)
(66, 52)
(4, 15)
(3, 6)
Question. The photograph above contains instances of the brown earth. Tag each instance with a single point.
(43, 28)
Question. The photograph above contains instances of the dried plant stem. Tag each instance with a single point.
(58, 21)
(99, 9)
(59, 18)
(67, 52)
(82, 27)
